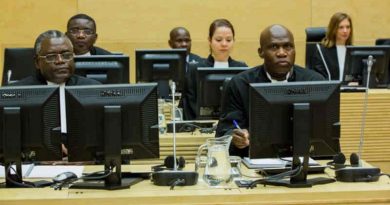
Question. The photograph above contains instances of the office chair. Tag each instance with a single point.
(18, 64)
(314, 35)
(382, 41)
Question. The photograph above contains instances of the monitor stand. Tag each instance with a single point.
(301, 146)
(112, 156)
(163, 89)
(13, 148)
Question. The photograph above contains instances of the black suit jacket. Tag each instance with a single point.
(189, 94)
(331, 59)
(209, 62)
(99, 51)
(193, 58)
(38, 79)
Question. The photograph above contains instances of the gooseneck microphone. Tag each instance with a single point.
(357, 173)
(323, 60)
(370, 62)
(173, 88)
(174, 177)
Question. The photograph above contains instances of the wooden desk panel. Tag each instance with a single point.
(377, 130)
(146, 193)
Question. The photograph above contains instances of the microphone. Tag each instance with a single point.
(370, 62)
(323, 60)
(174, 177)
(357, 173)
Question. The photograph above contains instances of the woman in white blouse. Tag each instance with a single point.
(333, 47)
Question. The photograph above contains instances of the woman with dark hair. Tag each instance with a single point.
(330, 55)
(221, 41)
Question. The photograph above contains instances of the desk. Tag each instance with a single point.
(376, 139)
(146, 193)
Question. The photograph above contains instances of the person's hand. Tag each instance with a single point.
(64, 150)
(240, 138)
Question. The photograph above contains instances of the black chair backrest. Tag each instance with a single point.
(18, 64)
(382, 41)
(314, 35)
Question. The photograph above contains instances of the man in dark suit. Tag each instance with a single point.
(54, 62)
(277, 48)
(81, 30)
(180, 37)
(53, 57)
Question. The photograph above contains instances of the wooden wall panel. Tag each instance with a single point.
(144, 23)
(21, 21)
(124, 25)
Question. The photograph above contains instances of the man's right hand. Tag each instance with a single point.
(240, 138)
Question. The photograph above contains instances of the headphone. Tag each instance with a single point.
(169, 164)
(339, 159)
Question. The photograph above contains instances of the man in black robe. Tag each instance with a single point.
(277, 48)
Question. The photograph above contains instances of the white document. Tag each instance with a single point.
(265, 162)
(45, 171)
(26, 169)
(50, 171)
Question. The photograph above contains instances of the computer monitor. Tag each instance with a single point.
(272, 122)
(108, 69)
(355, 69)
(18, 64)
(298, 119)
(30, 128)
(161, 66)
(209, 86)
(109, 122)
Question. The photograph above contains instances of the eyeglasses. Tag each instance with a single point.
(50, 58)
(87, 31)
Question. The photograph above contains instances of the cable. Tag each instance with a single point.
(290, 174)
(180, 112)
(188, 127)
(207, 130)
(90, 176)
(260, 171)
(177, 182)
(384, 174)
